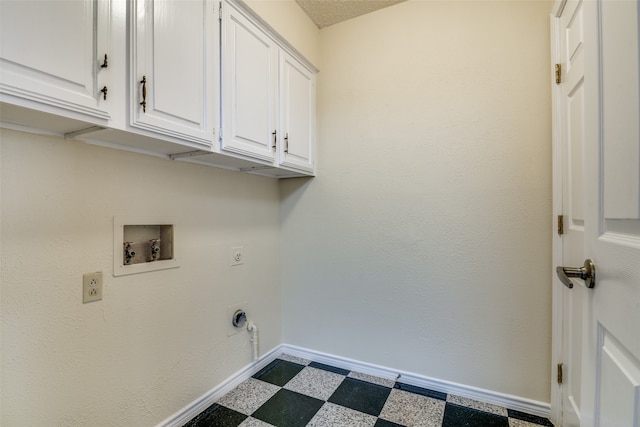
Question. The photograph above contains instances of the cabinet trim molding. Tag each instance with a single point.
(24, 97)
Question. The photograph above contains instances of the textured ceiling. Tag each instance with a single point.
(328, 12)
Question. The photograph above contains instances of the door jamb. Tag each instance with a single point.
(556, 241)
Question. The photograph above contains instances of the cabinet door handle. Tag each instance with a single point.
(286, 143)
(105, 64)
(144, 94)
(275, 139)
(104, 92)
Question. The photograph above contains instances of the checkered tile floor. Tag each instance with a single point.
(293, 392)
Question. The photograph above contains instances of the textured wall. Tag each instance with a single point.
(423, 244)
(157, 341)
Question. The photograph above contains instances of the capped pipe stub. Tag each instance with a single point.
(239, 318)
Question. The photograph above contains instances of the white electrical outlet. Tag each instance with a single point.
(237, 256)
(91, 287)
(232, 330)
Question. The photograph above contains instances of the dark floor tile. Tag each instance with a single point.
(218, 416)
(460, 416)
(329, 368)
(279, 372)
(530, 418)
(288, 409)
(419, 390)
(384, 423)
(361, 396)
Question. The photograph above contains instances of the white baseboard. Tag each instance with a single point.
(203, 402)
(517, 403)
(528, 406)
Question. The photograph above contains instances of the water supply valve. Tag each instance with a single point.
(155, 249)
(129, 253)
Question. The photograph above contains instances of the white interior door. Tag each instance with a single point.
(598, 125)
(570, 56)
(611, 365)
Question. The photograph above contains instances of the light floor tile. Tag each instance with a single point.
(248, 396)
(481, 406)
(331, 415)
(413, 410)
(370, 378)
(315, 383)
(252, 422)
(294, 359)
(520, 423)
(355, 400)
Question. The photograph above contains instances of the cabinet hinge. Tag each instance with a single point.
(220, 135)
(561, 224)
(558, 73)
(220, 11)
(560, 366)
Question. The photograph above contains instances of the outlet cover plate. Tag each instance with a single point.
(91, 287)
(237, 255)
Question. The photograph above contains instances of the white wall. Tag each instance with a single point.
(157, 341)
(423, 244)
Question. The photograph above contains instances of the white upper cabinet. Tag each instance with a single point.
(174, 68)
(297, 114)
(54, 57)
(195, 80)
(268, 95)
(249, 88)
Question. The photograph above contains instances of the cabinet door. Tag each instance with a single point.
(249, 88)
(297, 114)
(174, 68)
(51, 56)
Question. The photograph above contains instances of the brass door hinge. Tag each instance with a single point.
(561, 224)
(560, 366)
(558, 73)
